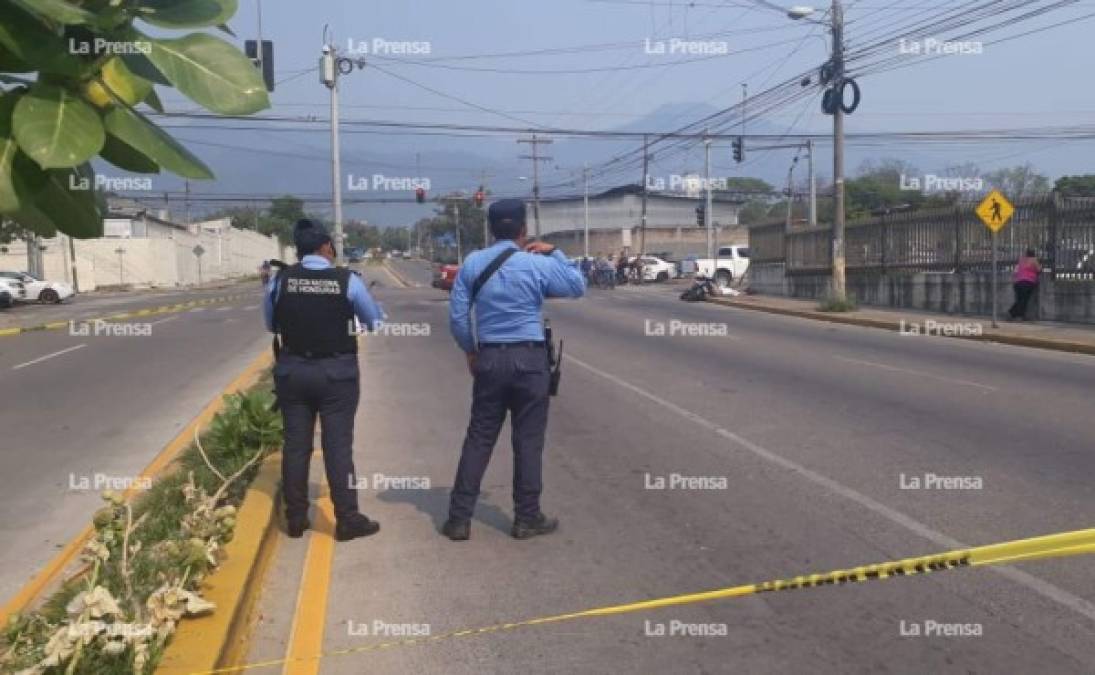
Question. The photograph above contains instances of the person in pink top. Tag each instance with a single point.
(1026, 282)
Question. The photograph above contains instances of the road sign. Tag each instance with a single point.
(995, 211)
(199, 250)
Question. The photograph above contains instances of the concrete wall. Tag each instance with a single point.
(163, 259)
(948, 293)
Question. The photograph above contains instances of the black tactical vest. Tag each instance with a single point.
(313, 313)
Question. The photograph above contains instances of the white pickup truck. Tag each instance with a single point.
(728, 268)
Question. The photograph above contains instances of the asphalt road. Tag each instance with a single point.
(79, 412)
(810, 438)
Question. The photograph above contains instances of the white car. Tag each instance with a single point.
(11, 292)
(38, 290)
(656, 269)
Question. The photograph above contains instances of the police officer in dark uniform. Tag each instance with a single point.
(312, 306)
(506, 284)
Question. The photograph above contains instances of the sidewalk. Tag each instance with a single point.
(1077, 338)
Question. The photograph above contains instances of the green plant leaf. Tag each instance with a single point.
(76, 212)
(10, 63)
(30, 41)
(58, 10)
(126, 157)
(212, 73)
(55, 128)
(187, 13)
(139, 65)
(153, 101)
(136, 131)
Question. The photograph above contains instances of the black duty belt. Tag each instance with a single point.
(531, 344)
(318, 355)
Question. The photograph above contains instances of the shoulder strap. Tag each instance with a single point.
(493, 267)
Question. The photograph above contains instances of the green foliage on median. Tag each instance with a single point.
(145, 564)
(834, 304)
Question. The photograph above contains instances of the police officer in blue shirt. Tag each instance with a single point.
(312, 306)
(507, 284)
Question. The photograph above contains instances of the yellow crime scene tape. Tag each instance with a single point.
(1081, 542)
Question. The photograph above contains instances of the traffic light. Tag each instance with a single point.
(266, 62)
(701, 216)
(420, 195)
(739, 149)
(480, 197)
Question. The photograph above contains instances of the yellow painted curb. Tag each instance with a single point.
(396, 275)
(49, 575)
(310, 617)
(219, 639)
(884, 324)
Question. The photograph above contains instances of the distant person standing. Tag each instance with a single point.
(505, 287)
(1026, 277)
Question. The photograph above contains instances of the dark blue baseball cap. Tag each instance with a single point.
(507, 217)
(309, 236)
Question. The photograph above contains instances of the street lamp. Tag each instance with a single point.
(835, 74)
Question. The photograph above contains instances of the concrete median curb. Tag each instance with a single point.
(895, 325)
(219, 640)
(137, 313)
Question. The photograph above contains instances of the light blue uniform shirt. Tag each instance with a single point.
(508, 306)
(365, 308)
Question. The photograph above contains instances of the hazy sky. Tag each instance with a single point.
(1037, 81)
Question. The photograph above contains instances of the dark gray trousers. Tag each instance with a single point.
(329, 388)
(512, 380)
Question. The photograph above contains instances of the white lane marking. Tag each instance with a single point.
(198, 309)
(1039, 586)
(918, 373)
(47, 357)
(170, 318)
(250, 308)
(224, 309)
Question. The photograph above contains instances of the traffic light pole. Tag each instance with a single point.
(336, 171)
(585, 176)
(707, 216)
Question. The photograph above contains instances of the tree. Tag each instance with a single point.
(1076, 186)
(1019, 182)
(67, 98)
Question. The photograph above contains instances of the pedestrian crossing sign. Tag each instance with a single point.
(995, 211)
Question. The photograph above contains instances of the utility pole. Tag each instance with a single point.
(839, 288)
(813, 184)
(646, 180)
(486, 210)
(187, 202)
(459, 247)
(535, 142)
(331, 68)
(708, 216)
(585, 176)
(791, 193)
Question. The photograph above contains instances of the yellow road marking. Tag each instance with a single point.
(310, 619)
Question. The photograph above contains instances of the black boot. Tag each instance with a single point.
(527, 529)
(457, 530)
(296, 525)
(355, 526)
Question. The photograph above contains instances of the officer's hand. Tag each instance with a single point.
(472, 358)
(539, 247)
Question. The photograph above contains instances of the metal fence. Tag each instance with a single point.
(1061, 231)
